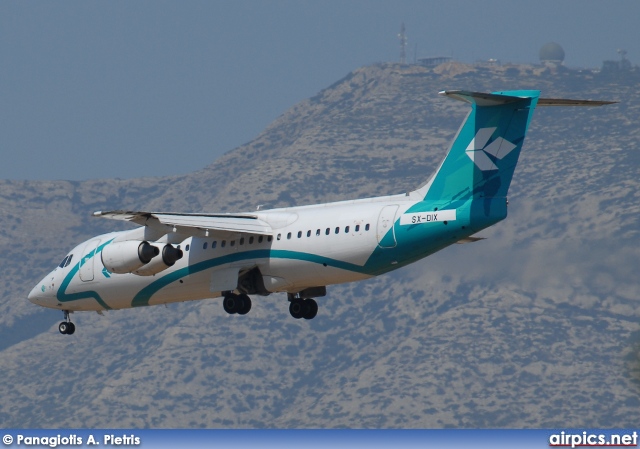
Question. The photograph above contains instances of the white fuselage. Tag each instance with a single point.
(345, 233)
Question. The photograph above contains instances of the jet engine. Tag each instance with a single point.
(126, 257)
(170, 255)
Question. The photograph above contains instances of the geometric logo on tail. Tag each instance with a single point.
(478, 150)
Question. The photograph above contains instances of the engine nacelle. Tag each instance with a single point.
(126, 257)
(170, 255)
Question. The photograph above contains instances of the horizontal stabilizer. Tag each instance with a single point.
(497, 98)
(568, 102)
(471, 239)
(480, 98)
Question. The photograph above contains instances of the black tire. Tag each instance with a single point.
(230, 304)
(245, 304)
(63, 328)
(311, 309)
(72, 328)
(297, 308)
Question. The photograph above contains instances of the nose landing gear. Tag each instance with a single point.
(66, 327)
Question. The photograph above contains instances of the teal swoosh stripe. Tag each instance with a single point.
(144, 296)
(64, 297)
(297, 255)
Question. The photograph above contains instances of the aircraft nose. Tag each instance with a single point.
(32, 294)
(36, 293)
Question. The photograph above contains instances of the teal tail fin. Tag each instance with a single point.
(484, 153)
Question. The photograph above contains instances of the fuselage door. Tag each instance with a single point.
(87, 261)
(384, 230)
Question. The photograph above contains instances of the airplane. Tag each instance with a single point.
(175, 257)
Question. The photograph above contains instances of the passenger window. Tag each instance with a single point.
(318, 232)
(309, 233)
(251, 240)
(299, 234)
(357, 228)
(289, 236)
(214, 244)
(242, 240)
(204, 246)
(327, 231)
(232, 243)
(366, 227)
(269, 238)
(346, 229)
(337, 230)
(279, 235)
(260, 239)
(223, 243)
(186, 248)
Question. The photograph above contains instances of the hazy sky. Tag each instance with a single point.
(125, 89)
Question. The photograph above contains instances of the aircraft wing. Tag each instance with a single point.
(200, 225)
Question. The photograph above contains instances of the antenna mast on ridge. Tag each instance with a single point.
(403, 45)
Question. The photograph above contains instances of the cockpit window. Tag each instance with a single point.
(66, 261)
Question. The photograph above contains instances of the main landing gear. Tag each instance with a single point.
(233, 303)
(302, 308)
(66, 327)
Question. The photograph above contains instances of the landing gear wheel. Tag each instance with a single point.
(245, 304)
(64, 327)
(311, 309)
(297, 308)
(231, 303)
(301, 307)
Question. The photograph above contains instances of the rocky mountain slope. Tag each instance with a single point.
(537, 326)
